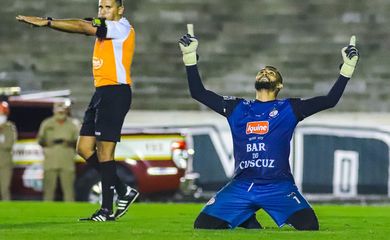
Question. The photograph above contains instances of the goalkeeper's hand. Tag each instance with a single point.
(188, 45)
(350, 57)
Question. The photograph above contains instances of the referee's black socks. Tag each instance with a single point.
(93, 162)
(108, 172)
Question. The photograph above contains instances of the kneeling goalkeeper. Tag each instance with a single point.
(261, 129)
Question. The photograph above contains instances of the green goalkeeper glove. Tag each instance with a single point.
(350, 57)
(188, 45)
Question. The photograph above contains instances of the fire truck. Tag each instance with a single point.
(156, 161)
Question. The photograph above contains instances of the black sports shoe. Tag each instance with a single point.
(101, 215)
(123, 203)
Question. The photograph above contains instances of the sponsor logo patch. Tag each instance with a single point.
(274, 113)
(260, 127)
(97, 62)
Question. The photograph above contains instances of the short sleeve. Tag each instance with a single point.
(117, 29)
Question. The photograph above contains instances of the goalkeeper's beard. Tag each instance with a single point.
(261, 85)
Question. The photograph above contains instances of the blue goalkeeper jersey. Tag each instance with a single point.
(261, 133)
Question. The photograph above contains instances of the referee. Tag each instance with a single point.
(261, 129)
(103, 120)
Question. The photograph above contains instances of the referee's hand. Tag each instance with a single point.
(188, 45)
(33, 21)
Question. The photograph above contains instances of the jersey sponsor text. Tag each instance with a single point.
(257, 163)
(255, 147)
(259, 127)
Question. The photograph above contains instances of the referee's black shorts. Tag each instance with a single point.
(106, 112)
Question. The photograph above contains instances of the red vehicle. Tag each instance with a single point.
(155, 161)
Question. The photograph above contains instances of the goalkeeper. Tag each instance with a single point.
(262, 129)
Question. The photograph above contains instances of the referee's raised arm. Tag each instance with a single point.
(64, 25)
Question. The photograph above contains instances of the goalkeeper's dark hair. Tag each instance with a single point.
(274, 69)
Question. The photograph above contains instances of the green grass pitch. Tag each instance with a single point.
(41, 221)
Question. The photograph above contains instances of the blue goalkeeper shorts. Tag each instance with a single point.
(239, 200)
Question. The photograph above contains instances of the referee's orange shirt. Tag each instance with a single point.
(113, 55)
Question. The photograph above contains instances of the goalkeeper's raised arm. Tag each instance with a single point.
(308, 107)
(188, 46)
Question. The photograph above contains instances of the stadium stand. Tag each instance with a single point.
(301, 38)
